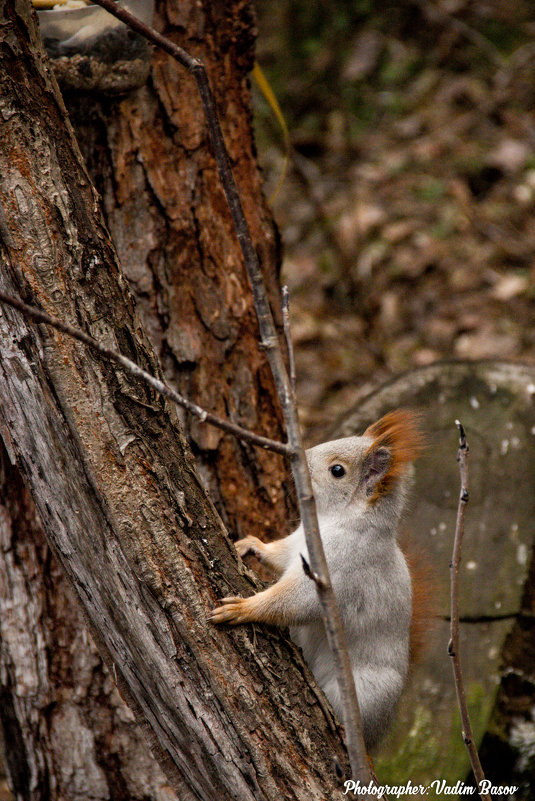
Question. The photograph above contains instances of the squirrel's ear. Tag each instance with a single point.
(374, 468)
(399, 434)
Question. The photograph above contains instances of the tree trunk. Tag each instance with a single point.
(149, 157)
(507, 748)
(67, 733)
(112, 477)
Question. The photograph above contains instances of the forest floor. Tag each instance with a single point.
(407, 212)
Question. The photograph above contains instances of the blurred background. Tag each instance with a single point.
(407, 208)
(407, 217)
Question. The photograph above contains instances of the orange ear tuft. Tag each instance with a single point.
(400, 433)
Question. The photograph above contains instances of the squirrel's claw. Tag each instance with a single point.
(232, 611)
(248, 545)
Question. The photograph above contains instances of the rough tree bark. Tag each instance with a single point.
(110, 471)
(149, 158)
(507, 748)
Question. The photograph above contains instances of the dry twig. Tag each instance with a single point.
(288, 335)
(453, 645)
(135, 370)
(435, 14)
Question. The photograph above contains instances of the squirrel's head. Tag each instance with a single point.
(363, 471)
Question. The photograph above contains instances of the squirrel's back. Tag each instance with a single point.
(374, 596)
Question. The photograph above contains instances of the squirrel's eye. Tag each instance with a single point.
(337, 470)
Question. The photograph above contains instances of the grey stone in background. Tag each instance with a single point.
(496, 403)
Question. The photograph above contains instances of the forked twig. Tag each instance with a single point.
(160, 386)
(453, 645)
(270, 342)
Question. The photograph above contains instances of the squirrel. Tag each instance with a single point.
(360, 484)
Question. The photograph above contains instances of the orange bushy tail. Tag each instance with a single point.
(424, 599)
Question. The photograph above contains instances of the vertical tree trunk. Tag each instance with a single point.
(111, 474)
(67, 733)
(507, 748)
(149, 157)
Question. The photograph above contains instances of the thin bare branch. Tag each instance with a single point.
(288, 334)
(453, 645)
(268, 335)
(160, 386)
(434, 13)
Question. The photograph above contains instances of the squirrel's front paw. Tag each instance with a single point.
(250, 545)
(232, 611)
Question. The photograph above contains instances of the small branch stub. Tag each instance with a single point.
(463, 444)
(318, 581)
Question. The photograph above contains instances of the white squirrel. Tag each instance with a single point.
(360, 485)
